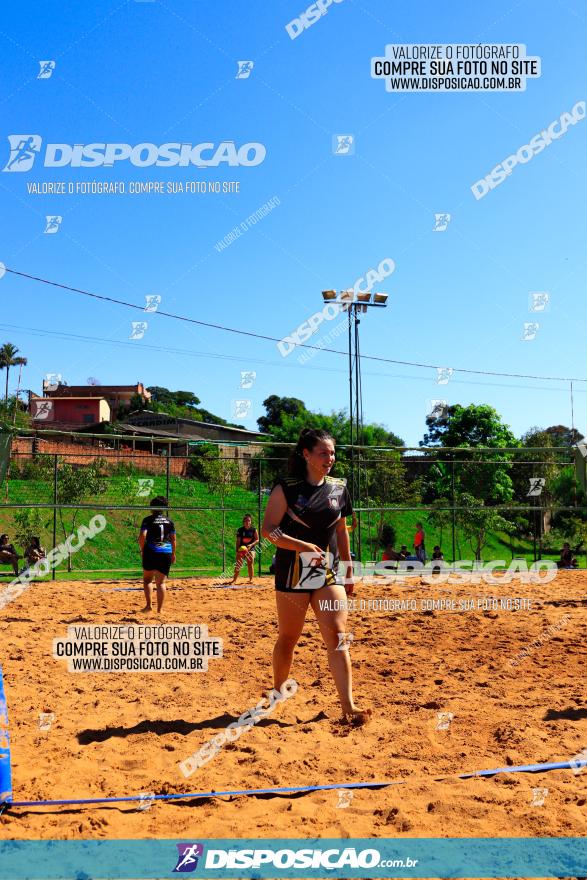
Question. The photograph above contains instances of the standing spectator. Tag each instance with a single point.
(419, 545)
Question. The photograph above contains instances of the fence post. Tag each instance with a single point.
(454, 513)
(168, 464)
(223, 537)
(259, 553)
(53, 568)
(535, 526)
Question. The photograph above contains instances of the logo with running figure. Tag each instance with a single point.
(187, 860)
(245, 68)
(343, 144)
(315, 571)
(24, 149)
(46, 71)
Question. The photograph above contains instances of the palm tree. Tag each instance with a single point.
(8, 359)
(20, 362)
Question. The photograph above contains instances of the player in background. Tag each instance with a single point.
(247, 538)
(158, 544)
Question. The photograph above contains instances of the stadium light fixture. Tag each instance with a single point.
(362, 300)
(346, 298)
(354, 304)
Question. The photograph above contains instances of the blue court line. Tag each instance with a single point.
(239, 586)
(134, 589)
(527, 768)
(215, 586)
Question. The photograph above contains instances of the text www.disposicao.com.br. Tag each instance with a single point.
(135, 664)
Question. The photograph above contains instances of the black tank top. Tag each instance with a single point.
(245, 536)
(312, 515)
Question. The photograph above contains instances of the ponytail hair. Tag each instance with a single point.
(308, 439)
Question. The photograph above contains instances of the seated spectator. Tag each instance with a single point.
(390, 554)
(8, 555)
(567, 559)
(438, 555)
(34, 551)
(403, 553)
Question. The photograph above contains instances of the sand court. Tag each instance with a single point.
(452, 691)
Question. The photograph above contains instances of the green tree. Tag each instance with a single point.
(287, 416)
(563, 436)
(276, 408)
(160, 394)
(74, 486)
(186, 398)
(136, 403)
(8, 358)
(29, 523)
(222, 476)
(440, 519)
(14, 413)
(384, 483)
(476, 522)
(374, 434)
(199, 455)
(481, 474)
(542, 463)
(182, 405)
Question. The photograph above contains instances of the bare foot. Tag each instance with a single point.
(358, 717)
(146, 609)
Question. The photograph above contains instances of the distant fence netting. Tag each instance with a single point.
(210, 487)
(5, 447)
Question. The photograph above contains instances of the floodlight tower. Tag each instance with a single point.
(355, 304)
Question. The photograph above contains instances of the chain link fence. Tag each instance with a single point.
(533, 502)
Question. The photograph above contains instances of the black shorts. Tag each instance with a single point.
(156, 561)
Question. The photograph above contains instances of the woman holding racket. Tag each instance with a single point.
(305, 511)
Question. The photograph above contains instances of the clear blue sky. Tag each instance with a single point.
(157, 72)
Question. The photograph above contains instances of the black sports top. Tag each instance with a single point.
(245, 536)
(312, 515)
(159, 530)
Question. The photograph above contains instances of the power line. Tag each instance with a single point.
(77, 337)
(266, 338)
